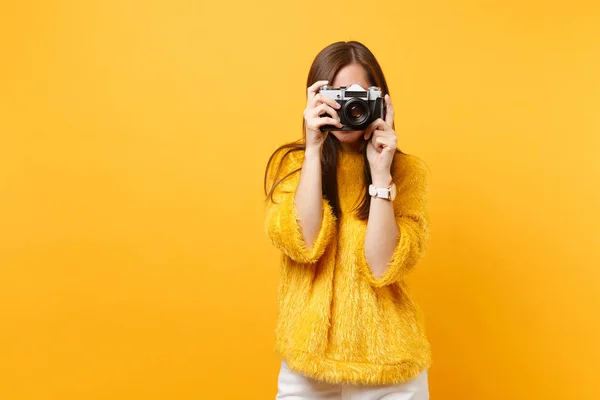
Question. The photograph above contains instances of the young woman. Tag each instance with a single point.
(347, 326)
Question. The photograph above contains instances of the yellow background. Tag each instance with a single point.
(134, 135)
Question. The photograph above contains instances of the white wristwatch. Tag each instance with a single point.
(383, 193)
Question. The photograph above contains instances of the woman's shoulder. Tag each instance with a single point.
(284, 161)
(407, 165)
(287, 157)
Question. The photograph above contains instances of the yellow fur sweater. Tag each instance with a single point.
(337, 322)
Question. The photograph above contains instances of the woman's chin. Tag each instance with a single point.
(348, 137)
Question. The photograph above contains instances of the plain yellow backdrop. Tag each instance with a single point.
(134, 136)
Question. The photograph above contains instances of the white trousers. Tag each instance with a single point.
(294, 386)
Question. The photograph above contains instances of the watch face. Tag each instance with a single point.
(383, 193)
(372, 190)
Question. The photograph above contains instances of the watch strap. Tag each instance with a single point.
(382, 193)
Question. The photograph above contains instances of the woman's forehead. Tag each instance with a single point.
(351, 74)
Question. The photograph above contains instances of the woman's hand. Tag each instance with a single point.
(316, 106)
(382, 146)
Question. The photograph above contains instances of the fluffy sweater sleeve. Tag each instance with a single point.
(282, 222)
(410, 209)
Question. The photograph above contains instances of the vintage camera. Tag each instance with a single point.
(359, 107)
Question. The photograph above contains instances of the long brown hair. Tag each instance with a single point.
(325, 67)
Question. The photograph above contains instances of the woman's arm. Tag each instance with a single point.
(282, 223)
(382, 231)
(397, 232)
(309, 196)
(382, 263)
(303, 224)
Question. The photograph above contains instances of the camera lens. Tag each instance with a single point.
(356, 112)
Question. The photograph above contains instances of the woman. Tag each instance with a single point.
(347, 327)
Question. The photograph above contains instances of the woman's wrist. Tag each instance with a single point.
(382, 180)
(313, 151)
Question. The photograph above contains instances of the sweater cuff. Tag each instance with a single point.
(403, 258)
(286, 232)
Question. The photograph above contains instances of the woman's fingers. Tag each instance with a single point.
(389, 110)
(314, 98)
(320, 110)
(321, 115)
(314, 88)
(316, 123)
(384, 142)
(382, 139)
(378, 124)
(320, 99)
(324, 109)
(380, 143)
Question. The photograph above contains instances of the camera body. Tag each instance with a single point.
(359, 106)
